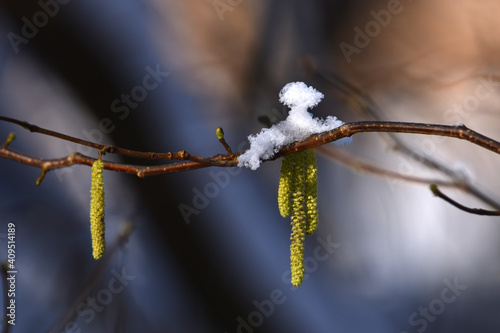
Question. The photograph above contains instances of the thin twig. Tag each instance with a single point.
(477, 211)
(181, 155)
(220, 136)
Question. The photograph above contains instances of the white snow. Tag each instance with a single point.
(299, 125)
(298, 94)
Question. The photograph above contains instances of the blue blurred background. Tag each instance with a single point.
(209, 251)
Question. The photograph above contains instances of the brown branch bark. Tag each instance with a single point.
(230, 160)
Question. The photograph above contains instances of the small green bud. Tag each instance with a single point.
(97, 209)
(220, 133)
(434, 189)
(42, 175)
(9, 139)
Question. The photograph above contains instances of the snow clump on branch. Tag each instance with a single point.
(299, 125)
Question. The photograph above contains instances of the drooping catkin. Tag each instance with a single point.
(285, 186)
(298, 220)
(97, 209)
(298, 196)
(311, 191)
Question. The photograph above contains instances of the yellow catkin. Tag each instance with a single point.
(97, 210)
(285, 186)
(298, 196)
(311, 191)
(298, 220)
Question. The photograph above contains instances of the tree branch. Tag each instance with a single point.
(230, 159)
(478, 211)
(181, 155)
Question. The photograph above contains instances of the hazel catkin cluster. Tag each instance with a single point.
(298, 195)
